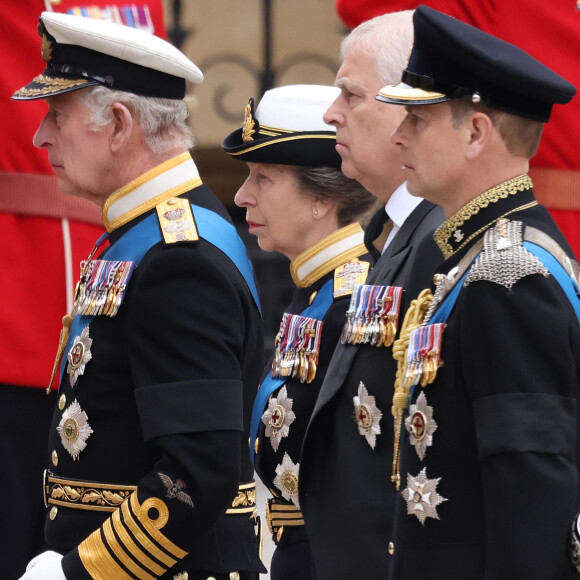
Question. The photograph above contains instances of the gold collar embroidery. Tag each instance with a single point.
(327, 255)
(169, 179)
(448, 228)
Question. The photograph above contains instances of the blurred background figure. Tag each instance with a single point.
(300, 204)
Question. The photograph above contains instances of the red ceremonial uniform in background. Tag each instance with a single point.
(43, 237)
(550, 32)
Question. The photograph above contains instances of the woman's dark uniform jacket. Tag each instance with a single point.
(345, 493)
(292, 557)
(505, 403)
(168, 395)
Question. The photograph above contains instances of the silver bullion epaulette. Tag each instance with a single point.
(525, 262)
(504, 259)
(176, 220)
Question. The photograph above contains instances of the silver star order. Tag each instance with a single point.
(422, 497)
(367, 415)
(278, 417)
(286, 479)
(420, 425)
(74, 429)
(79, 355)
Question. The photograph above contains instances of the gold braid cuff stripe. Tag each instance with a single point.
(444, 232)
(279, 515)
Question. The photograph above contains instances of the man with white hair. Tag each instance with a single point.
(149, 473)
(345, 494)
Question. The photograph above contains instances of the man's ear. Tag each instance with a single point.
(480, 128)
(121, 128)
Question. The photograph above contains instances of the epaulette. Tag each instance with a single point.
(504, 259)
(176, 221)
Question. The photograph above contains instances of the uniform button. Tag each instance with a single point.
(391, 548)
(62, 402)
(210, 578)
(54, 458)
(53, 512)
(256, 445)
(234, 576)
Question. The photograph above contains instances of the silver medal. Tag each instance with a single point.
(420, 425)
(79, 355)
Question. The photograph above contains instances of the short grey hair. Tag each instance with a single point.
(163, 121)
(389, 38)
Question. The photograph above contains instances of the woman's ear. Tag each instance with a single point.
(121, 127)
(320, 208)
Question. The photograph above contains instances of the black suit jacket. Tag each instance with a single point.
(345, 491)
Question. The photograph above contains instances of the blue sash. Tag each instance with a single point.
(317, 309)
(136, 242)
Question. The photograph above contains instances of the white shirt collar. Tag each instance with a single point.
(399, 207)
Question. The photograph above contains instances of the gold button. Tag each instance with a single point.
(391, 548)
(54, 457)
(256, 445)
(62, 402)
(53, 512)
(234, 576)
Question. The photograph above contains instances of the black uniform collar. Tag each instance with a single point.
(471, 221)
(169, 179)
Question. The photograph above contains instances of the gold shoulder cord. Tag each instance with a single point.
(413, 319)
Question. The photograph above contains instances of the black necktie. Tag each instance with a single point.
(373, 230)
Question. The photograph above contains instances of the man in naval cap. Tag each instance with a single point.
(148, 471)
(486, 404)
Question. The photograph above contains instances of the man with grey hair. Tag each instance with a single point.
(148, 468)
(345, 493)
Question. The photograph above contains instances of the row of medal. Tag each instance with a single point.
(101, 287)
(373, 315)
(423, 355)
(297, 348)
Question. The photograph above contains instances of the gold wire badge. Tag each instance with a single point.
(249, 123)
(46, 49)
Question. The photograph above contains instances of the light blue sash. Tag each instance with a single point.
(137, 241)
(317, 309)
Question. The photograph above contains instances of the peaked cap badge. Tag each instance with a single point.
(249, 122)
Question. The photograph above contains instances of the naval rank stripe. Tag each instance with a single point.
(121, 554)
(130, 546)
(98, 561)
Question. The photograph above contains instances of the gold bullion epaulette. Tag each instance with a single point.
(176, 220)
